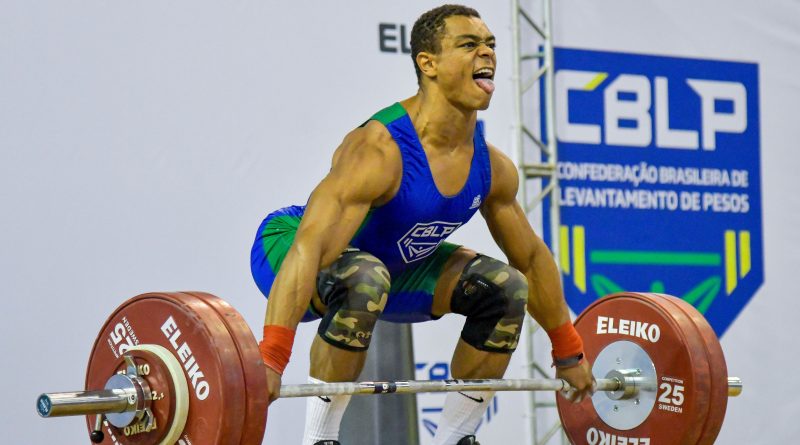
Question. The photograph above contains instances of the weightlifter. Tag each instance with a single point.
(370, 242)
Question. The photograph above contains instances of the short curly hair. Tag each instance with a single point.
(426, 35)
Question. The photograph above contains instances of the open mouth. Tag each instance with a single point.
(484, 77)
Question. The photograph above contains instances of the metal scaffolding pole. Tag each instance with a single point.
(535, 55)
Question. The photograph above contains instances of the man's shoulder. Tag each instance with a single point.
(376, 132)
(505, 178)
(370, 143)
(371, 136)
(389, 114)
(501, 163)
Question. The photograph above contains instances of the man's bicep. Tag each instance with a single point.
(340, 202)
(329, 221)
(364, 166)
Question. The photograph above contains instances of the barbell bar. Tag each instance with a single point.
(79, 403)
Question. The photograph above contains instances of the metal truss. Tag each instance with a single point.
(536, 156)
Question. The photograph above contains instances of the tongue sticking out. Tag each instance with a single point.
(486, 85)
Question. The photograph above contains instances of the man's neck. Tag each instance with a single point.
(440, 125)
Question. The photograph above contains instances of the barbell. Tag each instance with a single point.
(185, 368)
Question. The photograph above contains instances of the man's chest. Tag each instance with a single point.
(450, 171)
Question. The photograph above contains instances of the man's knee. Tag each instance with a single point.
(492, 295)
(355, 288)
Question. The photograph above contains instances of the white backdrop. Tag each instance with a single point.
(142, 143)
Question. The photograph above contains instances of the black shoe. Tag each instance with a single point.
(328, 442)
(468, 440)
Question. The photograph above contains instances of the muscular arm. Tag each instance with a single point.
(525, 250)
(528, 253)
(364, 170)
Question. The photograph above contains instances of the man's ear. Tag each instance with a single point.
(427, 64)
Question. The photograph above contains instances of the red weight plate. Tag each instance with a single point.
(255, 376)
(719, 372)
(671, 340)
(197, 336)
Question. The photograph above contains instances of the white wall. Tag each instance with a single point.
(142, 143)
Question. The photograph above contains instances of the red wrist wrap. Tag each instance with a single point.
(566, 341)
(276, 347)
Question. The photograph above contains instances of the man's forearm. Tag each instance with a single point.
(545, 297)
(292, 290)
(547, 305)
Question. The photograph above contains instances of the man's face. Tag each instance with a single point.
(466, 63)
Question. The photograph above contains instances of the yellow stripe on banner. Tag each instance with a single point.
(598, 79)
(730, 261)
(563, 248)
(744, 253)
(579, 257)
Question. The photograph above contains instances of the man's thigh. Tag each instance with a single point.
(423, 293)
(273, 240)
(448, 279)
(417, 294)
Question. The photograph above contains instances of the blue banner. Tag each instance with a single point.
(659, 174)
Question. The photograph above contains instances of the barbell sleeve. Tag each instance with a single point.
(734, 386)
(86, 402)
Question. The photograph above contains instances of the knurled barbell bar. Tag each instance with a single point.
(185, 368)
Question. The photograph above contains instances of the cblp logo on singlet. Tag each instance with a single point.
(423, 239)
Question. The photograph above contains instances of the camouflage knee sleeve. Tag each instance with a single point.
(355, 289)
(492, 295)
